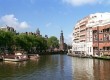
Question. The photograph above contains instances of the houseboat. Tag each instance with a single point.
(34, 57)
(16, 57)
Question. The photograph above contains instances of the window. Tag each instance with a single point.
(90, 49)
(101, 49)
(101, 31)
(101, 39)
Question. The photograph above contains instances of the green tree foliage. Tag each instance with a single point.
(6, 40)
(53, 42)
(30, 43)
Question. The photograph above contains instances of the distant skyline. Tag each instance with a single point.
(50, 16)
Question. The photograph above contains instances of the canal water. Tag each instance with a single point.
(56, 67)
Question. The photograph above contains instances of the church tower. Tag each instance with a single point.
(38, 32)
(61, 41)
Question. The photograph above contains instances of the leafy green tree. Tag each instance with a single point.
(53, 42)
(23, 41)
(6, 39)
(42, 43)
(29, 43)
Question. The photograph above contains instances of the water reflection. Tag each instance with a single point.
(14, 64)
(90, 69)
(82, 69)
(56, 67)
(101, 69)
(50, 67)
(12, 70)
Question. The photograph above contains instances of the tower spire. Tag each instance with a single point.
(38, 32)
(61, 41)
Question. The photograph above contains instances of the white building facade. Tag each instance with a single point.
(82, 42)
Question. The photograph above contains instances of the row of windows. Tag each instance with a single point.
(102, 49)
(102, 39)
(101, 31)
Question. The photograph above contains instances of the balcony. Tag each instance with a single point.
(82, 33)
(76, 39)
(106, 30)
(95, 32)
(106, 53)
(82, 40)
(95, 50)
(95, 39)
(82, 28)
(106, 37)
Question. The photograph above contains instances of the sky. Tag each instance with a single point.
(50, 16)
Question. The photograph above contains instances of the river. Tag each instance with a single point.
(56, 67)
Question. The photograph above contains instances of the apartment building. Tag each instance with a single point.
(81, 34)
(89, 35)
(101, 39)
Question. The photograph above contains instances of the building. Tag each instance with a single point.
(82, 38)
(84, 34)
(101, 39)
(7, 28)
(38, 32)
(62, 41)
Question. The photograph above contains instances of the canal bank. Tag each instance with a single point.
(50, 53)
(88, 56)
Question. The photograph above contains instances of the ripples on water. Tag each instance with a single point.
(56, 67)
(51, 67)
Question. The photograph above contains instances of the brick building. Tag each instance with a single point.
(101, 40)
(91, 35)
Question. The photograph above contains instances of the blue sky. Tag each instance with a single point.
(50, 16)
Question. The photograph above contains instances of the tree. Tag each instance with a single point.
(29, 43)
(23, 41)
(6, 39)
(42, 43)
(53, 42)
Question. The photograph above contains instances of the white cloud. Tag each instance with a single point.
(48, 24)
(79, 2)
(23, 25)
(10, 20)
(83, 2)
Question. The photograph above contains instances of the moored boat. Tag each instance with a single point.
(33, 57)
(21, 56)
(1, 58)
(14, 60)
(15, 57)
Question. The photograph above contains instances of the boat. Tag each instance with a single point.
(34, 57)
(21, 56)
(16, 57)
(1, 58)
(14, 60)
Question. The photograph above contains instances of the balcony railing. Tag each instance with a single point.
(106, 50)
(95, 50)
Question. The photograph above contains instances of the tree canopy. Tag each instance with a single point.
(13, 42)
(30, 43)
(53, 42)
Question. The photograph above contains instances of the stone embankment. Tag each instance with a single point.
(87, 56)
